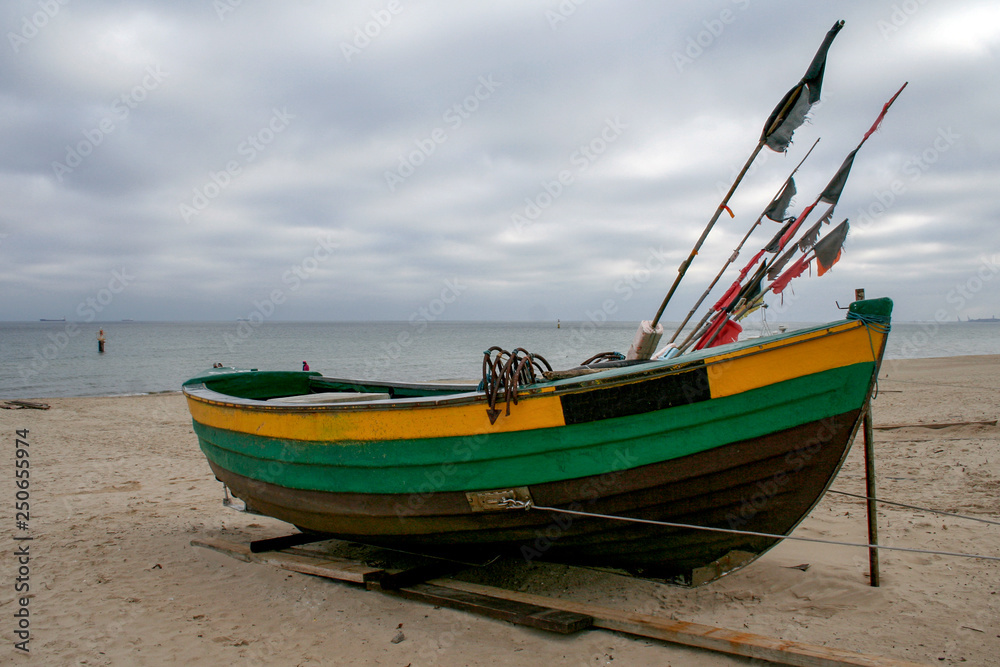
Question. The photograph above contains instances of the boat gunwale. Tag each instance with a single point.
(652, 369)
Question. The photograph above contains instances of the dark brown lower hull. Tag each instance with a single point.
(765, 485)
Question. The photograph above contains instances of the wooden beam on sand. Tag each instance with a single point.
(33, 405)
(745, 644)
(387, 581)
(563, 616)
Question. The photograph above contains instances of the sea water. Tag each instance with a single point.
(49, 359)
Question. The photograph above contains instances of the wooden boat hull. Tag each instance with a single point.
(744, 437)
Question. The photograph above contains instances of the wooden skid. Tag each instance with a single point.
(517, 612)
(562, 616)
(409, 584)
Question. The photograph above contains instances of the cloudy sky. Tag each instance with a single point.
(514, 160)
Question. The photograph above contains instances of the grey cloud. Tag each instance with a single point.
(692, 84)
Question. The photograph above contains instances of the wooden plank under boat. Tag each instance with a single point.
(745, 436)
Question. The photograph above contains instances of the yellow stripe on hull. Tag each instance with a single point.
(729, 374)
(813, 352)
(326, 425)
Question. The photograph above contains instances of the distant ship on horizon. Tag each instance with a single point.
(993, 319)
(61, 319)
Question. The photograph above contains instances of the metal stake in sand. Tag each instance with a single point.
(786, 117)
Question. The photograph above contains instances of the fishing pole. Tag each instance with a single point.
(831, 195)
(788, 182)
(780, 240)
(786, 117)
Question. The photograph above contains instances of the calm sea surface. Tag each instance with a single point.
(48, 359)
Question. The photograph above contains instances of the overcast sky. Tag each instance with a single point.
(310, 160)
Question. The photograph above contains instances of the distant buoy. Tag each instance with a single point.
(558, 324)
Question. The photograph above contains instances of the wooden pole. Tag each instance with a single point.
(682, 270)
(870, 492)
(736, 253)
(870, 486)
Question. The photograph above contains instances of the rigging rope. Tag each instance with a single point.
(915, 507)
(879, 325)
(603, 356)
(528, 505)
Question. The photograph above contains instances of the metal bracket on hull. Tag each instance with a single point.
(721, 566)
(234, 503)
(499, 500)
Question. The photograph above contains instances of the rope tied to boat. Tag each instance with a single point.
(527, 505)
(873, 324)
(603, 356)
(504, 371)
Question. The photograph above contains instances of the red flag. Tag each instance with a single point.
(787, 236)
(728, 297)
(831, 194)
(878, 121)
(729, 332)
(734, 289)
(796, 270)
(746, 269)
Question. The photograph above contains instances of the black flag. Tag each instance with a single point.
(793, 108)
(828, 248)
(776, 211)
(831, 194)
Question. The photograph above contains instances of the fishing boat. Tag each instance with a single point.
(679, 469)
(679, 464)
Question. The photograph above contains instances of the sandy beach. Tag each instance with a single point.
(119, 488)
